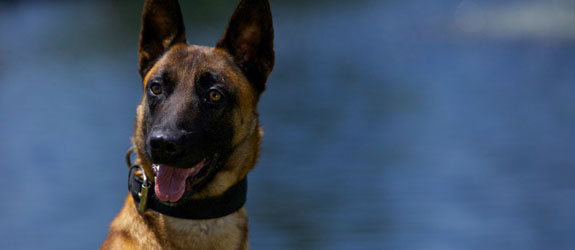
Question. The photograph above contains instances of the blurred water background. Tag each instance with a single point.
(405, 124)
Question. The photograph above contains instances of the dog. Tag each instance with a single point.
(197, 133)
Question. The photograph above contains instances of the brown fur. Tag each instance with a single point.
(244, 65)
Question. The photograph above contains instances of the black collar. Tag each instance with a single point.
(196, 209)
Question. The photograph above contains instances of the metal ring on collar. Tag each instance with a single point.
(129, 154)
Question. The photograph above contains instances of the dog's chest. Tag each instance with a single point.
(229, 232)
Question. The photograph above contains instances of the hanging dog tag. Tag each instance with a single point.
(143, 197)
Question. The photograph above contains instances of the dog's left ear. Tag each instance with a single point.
(249, 39)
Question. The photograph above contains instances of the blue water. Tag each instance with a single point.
(389, 124)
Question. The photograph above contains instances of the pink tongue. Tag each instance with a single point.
(170, 183)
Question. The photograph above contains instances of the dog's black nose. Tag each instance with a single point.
(164, 145)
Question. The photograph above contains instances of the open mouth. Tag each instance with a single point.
(172, 182)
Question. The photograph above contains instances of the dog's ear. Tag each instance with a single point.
(249, 39)
(162, 28)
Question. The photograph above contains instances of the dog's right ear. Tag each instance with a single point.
(162, 28)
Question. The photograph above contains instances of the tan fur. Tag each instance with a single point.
(130, 230)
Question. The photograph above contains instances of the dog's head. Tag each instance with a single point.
(197, 124)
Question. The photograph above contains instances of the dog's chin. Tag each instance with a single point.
(174, 184)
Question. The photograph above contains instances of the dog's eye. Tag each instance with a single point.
(215, 95)
(156, 88)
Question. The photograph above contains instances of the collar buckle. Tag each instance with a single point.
(145, 187)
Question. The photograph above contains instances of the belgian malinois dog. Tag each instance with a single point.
(197, 133)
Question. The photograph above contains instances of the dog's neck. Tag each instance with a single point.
(152, 230)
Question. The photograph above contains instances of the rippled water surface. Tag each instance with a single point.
(389, 124)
